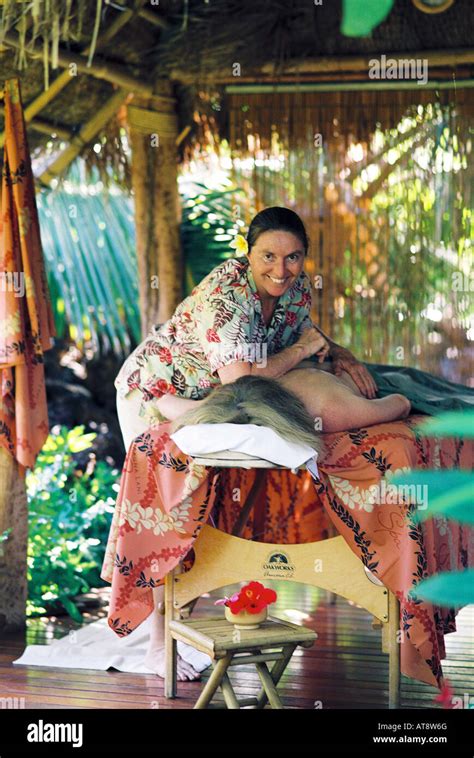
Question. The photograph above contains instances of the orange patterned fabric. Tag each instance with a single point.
(165, 498)
(26, 319)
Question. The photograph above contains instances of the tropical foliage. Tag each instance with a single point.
(88, 243)
(390, 223)
(70, 511)
(451, 495)
(210, 222)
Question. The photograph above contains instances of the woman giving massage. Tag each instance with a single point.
(250, 316)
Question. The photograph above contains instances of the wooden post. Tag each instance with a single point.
(170, 689)
(14, 516)
(145, 243)
(394, 652)
(154, 135)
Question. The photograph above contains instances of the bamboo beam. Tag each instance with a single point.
(456, 57)
(352, 86)
(330, 65)
(65, 77)
(47, 127)
(86, 134)
(154, 19)
(117, 24)
(109, 72)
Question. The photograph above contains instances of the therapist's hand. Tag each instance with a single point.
(314, 343)
(344, 360)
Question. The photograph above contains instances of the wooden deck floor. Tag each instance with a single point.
(344, 669)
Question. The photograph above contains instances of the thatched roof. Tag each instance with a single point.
(255, 33)
(187, 48)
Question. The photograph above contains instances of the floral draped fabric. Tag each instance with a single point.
(165, 498)
(26, 320)
(221, 321)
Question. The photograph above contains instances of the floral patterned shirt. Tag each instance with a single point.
(219, 323)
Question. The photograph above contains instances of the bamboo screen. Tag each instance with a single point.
(387, 202)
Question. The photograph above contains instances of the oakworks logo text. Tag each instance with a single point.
(278, 566)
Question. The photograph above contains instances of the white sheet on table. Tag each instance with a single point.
(259, 441)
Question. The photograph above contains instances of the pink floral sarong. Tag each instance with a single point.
(165, 498)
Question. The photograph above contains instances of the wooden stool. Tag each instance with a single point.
(228, 646)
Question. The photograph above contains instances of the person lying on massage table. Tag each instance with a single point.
(341, 392)
(249, 316)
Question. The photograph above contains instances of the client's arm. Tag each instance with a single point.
(172, 406)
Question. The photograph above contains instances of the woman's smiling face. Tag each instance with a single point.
(276, 261)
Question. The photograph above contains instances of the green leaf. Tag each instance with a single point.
(71, 608)
(449, 493)
(449, 589)
(67, 541)
(437, 481)
(452, 424)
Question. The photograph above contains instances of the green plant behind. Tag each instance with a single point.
(450, 495)
(70, 512)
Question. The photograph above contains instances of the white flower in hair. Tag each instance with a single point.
(240, 245)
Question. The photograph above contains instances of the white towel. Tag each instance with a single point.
(96, 646)
(259, 441)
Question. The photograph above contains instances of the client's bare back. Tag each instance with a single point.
(338, 402)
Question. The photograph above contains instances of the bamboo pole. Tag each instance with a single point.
(65, 77)
(110, 72)
(455, 57)
(333, 65)
(170, 265)
(143, 193)
(154, 19)
(153, 136)
(46, 127)
(347, 86)
(87, 133)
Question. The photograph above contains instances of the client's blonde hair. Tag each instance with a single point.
(255, 400)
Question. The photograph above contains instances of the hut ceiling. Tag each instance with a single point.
(189, 48)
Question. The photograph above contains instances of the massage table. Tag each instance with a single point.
(222, 559)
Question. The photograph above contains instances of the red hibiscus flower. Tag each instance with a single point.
(162, 386)
(154, 391)
(305, 299)
(290, 318)
(165, 355)
(237, 605)
(253, 598)
(158, 389)
(212, 336)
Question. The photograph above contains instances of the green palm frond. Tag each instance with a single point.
(89, 248)
(208, 226)
(450, 495)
